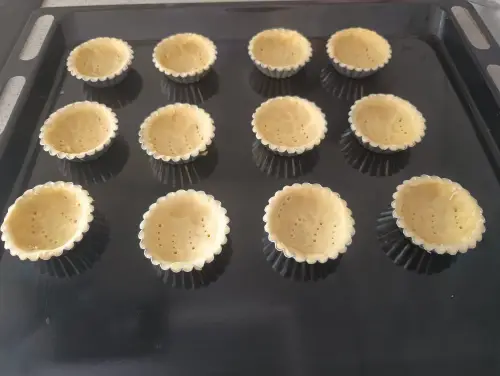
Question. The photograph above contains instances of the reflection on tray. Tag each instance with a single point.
(283, 167)
(186, 174)
(368, 162)
(298, 271)
(116, 96)
(340, 86)
(99, 170)
(85, 254)
(195, 93)
(199, 278)
(272, 87)
(406, 254)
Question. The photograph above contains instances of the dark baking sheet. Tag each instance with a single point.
(112, 315)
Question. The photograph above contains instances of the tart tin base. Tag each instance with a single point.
(99, 170)
(194, 93)
(298, 271)
(279, 166)
(117, 96)
(368, 162)
(406, 254)
(85, 254)
(185, 175)
(195, 279)
(341, 87)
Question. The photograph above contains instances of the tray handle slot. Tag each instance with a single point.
(37, 36)
(470, 28)
(8, 99)
(494, 72)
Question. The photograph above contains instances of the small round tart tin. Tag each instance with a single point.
(101, 62)
(279, 53)
(385, 123)
(184, 230)
(438, 215)
(289, 125)
(47, 221)
(177, 133)
(185, 58)
(357, 52)
(309, 223)
(79, 131)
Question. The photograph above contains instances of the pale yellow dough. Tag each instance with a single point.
(46, 220)
(100, 57)
(177, 130)
(289, 121)
(438, 212)
(359, 48)
(388, 120)
(185, 53)
(280, 48)
(309, 221)
(79, 128)
(183, 228)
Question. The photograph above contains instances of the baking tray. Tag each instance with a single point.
(107, 312)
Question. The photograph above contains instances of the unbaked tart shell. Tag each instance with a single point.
(385, 123)
(289, 125)
(309, 223)
(184, 230)
(358, 52)
(101, 62)
(47, 221)
(177, 133)
(79, 131)
(279, 53)
(438, 215)
(185, 57)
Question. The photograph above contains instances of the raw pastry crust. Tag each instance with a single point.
(358, 48)
(280, 49)
(79, 130)
(290, 125)
(185, 54)
(309, 223)
(177, 133)
(387, 122)
(47, 220)
(100, 59)
(184, 230)
(438, 214)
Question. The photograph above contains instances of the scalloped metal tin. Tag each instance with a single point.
(289, 150)
(178, 159)
(46, 254)
(376, 147)
(90, 154)
(474, 237)
(193, 75)
(351, 71)
(281, 71)
(199, 263)
(332, 254)
(106, 80)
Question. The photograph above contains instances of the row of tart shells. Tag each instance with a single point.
(188, 57)
(185, 230)
(179, 133)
